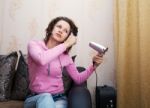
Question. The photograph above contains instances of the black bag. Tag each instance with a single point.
(105, 97)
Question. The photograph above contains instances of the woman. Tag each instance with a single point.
(46, 59)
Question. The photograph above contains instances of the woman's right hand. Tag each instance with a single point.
(71, 40)
(97, 60)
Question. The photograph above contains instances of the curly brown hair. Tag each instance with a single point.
(73, 27)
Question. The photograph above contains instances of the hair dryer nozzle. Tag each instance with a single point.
(98, 47)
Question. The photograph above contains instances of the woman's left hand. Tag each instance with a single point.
(97, 60)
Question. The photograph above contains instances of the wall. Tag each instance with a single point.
(22, 20)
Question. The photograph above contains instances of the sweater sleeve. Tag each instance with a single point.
(79, 77)
(41, 56)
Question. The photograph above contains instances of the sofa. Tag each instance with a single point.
(14, 83)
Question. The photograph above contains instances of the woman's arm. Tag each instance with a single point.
(83, 76)
(79, 77)
(42, 56)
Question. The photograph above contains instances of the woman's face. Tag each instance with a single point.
(61, 31)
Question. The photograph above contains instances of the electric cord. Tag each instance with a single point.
(96, 76)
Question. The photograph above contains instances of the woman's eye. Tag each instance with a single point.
(66, 31)
(59, 26)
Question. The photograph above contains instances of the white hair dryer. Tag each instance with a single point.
(99, 48)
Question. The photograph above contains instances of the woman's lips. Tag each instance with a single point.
(59, 35)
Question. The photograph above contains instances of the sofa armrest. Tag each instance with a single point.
(79, 97)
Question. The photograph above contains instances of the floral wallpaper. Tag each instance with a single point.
(23, 20)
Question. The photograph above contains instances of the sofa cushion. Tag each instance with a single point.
(7, 71)
(20, 85)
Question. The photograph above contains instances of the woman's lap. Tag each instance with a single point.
(45, 100)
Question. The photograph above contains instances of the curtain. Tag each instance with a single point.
(132, 41)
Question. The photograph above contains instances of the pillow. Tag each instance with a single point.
(7, 71)
(21, 82)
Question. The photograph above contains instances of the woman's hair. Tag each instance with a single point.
(49, 29)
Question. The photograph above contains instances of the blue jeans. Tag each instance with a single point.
(45, 100)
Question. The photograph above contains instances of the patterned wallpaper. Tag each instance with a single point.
(23, 20)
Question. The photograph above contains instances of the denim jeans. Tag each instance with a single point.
(45, 100)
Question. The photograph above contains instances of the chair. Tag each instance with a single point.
(78, 95)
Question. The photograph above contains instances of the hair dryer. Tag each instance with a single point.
(99, 48)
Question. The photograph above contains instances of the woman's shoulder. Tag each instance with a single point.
(36, 44)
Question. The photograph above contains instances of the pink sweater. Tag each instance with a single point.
(41, 59)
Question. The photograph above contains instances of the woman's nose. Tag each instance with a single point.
(60, 31)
